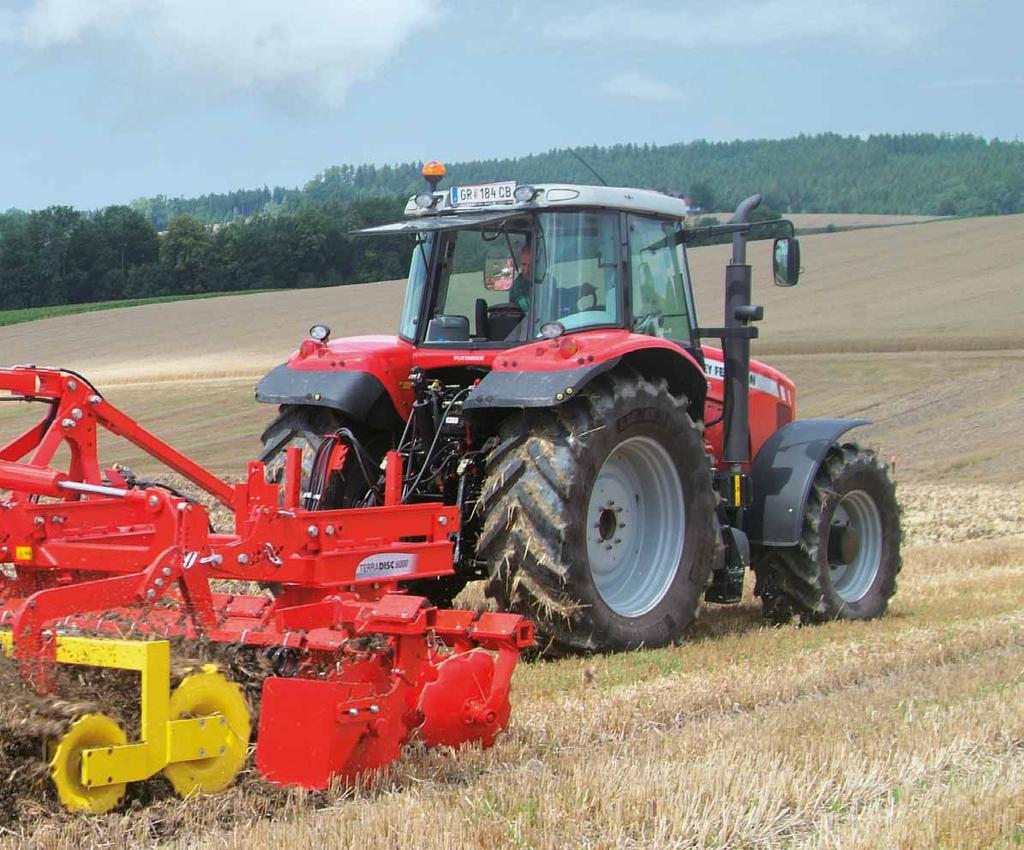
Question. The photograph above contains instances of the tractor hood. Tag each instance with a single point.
(376, 353)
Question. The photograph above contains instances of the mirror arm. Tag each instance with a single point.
(696, 234)
(743, 332)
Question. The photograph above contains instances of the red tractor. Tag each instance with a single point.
(549, 379)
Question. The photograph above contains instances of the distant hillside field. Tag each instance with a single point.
(915, 327)
(943, 285)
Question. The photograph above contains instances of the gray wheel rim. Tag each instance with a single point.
(635, 526)
(852, 581)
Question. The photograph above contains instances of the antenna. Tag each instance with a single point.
(588, 167)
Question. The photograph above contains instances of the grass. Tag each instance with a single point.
(31, 314)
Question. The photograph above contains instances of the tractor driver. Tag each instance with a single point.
(519, 292)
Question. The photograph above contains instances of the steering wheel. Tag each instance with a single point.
(649, 323)
(584, 290)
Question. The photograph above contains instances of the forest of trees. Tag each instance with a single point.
(285, 238)
(62, 256)
(922, 174)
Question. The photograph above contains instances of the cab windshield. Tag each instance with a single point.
(500, 283)
(483, 285)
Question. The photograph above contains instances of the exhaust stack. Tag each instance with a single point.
(739, 313)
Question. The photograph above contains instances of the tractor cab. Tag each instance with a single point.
(500, 265)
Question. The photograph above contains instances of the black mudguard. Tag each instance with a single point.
(533, 389)
(357, 394)
(781, 477)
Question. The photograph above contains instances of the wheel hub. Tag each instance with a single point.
(607, 524)
(843, 544)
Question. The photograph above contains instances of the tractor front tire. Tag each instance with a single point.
(304, 427)
(599, 517)
(846, 562)
(295, 426)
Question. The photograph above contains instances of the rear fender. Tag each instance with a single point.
(540, 375)
(533, 389)
(782, 474)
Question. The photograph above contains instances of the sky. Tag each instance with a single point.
(104, 101)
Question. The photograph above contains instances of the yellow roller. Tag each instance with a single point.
(89, 732)
(209, 696)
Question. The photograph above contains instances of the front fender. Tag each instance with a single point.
(359, 395)
(782, 474)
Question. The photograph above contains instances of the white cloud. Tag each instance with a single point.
(307, 49)
(694, 24)
(642, 87)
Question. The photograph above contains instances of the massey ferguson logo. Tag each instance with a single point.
(386, 565)
(715, 369)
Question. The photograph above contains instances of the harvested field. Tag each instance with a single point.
(904, 732)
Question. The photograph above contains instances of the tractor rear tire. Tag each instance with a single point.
(848, 557)
(599, 517)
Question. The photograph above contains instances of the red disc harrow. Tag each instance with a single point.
(96, 567)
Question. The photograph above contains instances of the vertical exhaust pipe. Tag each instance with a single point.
(736, 349)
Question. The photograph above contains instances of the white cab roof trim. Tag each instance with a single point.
(551, 196)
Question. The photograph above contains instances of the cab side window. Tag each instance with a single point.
(659, 280)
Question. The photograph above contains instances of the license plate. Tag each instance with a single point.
(484, 193)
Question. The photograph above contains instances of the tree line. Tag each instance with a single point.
(64, 256)
(287, 238)
(914, 174)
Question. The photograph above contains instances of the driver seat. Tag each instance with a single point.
(503, 320)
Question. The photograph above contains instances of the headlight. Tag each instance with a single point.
(552, 330)
(522, 194)
(321, 333)
(425, 200)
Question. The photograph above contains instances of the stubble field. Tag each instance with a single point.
(905, 732)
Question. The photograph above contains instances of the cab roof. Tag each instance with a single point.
(554, 195)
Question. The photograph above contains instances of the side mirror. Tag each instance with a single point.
(499, 270)
(786, 261)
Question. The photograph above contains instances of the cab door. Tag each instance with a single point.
(660, 297)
